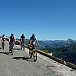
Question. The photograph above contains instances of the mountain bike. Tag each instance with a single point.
(33, 52)
(23, 46)
(11, 48)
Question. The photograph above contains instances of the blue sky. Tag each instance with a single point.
(47, 19)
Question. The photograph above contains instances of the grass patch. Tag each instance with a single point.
(46, 51)
(72, 70)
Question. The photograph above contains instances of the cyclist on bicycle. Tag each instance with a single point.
(22, 40)
(33, 41)
(3, 38)
(11, 43)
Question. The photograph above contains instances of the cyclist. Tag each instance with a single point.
(11, 42)
(22, 40)
(3, 38)
(33, 41)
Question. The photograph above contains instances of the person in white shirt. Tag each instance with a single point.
(33, 41)
(3, 38)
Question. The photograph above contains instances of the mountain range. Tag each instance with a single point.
(58, 43)
(53, 44)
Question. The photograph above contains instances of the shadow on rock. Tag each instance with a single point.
(4, 53)
(21, 58)
(17, 48)
(0, 48)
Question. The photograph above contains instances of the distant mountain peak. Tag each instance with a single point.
(70, 40)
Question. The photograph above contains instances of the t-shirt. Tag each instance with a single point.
(33, 40)
(12, 39)
(22, 37)
(3, 37)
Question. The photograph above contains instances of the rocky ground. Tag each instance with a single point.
(19, 64)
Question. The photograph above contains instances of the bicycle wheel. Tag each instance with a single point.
(11, 49)
(2, 45)
(35, 56)
(30, 54)
(12, 52)
(23, 48)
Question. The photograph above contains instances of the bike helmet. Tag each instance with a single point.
(33, 35)
(3, 34)
(22, 34)
(12, 34)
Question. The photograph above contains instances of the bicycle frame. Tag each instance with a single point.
(32, 52)
(3, 44)
(11, 48)
(22, 45)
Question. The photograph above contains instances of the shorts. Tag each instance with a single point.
(3, 39)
